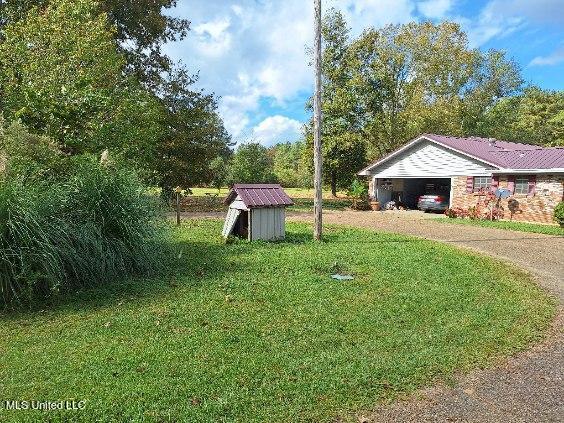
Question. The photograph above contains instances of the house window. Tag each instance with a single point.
(482, 183)
(521, 185)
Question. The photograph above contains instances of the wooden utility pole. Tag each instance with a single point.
(317, 119)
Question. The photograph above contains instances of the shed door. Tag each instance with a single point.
(230, 221)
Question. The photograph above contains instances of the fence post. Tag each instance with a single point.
(178, 191)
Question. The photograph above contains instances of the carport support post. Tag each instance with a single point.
(317, 157)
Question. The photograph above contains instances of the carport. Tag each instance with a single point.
(406, 191)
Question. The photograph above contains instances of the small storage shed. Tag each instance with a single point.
(256, 211)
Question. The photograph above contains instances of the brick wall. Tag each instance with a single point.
(538, 208)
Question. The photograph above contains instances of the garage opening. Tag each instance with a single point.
(413, 189)
(406, 192)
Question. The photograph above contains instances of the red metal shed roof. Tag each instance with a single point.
(259, 195)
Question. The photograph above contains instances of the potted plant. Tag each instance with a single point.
(375, 204)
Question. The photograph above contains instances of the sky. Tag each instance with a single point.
(253, 53)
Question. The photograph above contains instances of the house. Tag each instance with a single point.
(464, 168)
(256, 211)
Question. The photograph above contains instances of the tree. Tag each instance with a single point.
(194, 136)
(289, 168)
(219, 172)
(62, 76)
(64, 73)
(408, 74)
(142, 28)
(495, 78)
(251, 165)
(343, 155)
(342, 148)
(536, 116)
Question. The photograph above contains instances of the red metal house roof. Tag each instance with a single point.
(259, 195)
(507, 155)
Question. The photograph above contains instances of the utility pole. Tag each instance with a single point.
(317, 118)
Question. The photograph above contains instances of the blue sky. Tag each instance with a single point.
(252, 53)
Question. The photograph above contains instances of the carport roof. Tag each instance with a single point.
(259, 195)
(501, 154)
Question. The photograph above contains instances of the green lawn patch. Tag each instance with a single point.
(255, 332)
(511, 225)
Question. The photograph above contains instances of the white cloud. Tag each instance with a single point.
(213, 38)
(535, 11)
(500, 18)
(556, 57)
(435, 9)
(275, 129)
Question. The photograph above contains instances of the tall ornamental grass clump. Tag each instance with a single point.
(94, 226)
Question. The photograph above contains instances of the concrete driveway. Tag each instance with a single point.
(528, 387)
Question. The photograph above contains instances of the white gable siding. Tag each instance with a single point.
(429, 160)
(238, 204)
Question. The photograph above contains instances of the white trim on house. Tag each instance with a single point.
(451, 194)
(528, 171)
(366, 170)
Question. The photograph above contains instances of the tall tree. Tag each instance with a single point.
(536, 116)
(193, 136)
(66, 71)
(422, 77)
(251, 164)
(342, 147)
(61, 75)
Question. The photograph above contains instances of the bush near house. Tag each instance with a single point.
(559, 213)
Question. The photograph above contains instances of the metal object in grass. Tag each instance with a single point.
(340, 277)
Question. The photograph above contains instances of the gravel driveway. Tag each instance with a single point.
(528, 387)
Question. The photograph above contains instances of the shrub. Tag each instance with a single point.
(359, 194)
(456, 212)
(474, 212)
(96, 226)
(559, 213)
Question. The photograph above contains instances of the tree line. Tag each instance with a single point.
(91, 75)
(388, 85)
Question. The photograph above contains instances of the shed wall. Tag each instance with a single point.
(267, 223)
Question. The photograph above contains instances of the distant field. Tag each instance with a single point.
(292, 192)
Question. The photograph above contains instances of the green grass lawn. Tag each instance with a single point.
(511, 225)
(255, 332)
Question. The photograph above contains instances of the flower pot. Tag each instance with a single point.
(375, 205)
